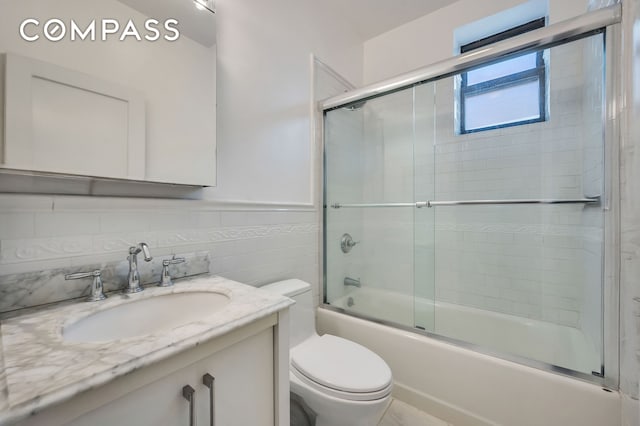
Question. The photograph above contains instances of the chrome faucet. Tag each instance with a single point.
(352, 282)
(133, 284)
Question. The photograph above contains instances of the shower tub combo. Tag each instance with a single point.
(479, 263)
(506, 334)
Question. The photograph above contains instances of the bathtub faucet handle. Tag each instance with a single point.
(347, 243)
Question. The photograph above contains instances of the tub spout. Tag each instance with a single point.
(352, 282)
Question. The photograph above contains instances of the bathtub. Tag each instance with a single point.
(466, 387)
(553, 344)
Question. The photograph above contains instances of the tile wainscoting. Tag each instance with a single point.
(43, 237)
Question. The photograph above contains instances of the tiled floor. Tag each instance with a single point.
(402, 414)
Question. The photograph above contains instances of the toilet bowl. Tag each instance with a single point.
(342, 382)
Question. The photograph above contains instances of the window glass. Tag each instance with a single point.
(505, 93)
(501, 69)
(504, 106)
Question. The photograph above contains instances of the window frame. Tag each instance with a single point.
(539, 73)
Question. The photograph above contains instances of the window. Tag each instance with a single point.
(506, 93)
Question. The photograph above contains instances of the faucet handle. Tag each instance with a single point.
(165, 280)
(173, 261)
(79, 275)
(347, 243)
(96, 286)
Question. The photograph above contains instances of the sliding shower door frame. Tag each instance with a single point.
(606, 21)
(614, 93)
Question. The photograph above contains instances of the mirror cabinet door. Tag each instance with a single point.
(109, 89)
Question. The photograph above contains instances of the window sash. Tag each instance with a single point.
(510, 107)
(522, 77)
(512, 32)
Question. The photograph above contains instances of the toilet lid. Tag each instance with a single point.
(341, 364)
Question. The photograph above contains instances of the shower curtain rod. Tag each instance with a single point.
(538, 39)
(421, 204)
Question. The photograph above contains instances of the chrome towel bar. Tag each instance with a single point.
(420, 204)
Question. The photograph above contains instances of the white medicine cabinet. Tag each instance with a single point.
(114, 106)
(61, 121)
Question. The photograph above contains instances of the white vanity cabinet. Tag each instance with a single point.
(243, 394)
(244, 364)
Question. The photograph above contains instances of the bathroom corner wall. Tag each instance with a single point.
(431, 38)
(630, 217)
(263, 94)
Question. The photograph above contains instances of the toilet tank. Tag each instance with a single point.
(302, 319)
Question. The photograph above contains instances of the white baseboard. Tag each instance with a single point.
(438, 408)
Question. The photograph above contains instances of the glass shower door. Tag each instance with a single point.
(492, 239)
(525, 279)
(369, 199)
(424, 189)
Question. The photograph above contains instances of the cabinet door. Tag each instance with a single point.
(244, 377)
(63, 121)
(244, 384)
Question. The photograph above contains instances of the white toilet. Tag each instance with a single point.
(342, 382)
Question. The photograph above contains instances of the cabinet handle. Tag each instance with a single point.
(187, 393)
(209, 381)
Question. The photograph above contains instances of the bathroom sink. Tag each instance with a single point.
(145, 316)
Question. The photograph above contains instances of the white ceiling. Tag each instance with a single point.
(198, 25)
(374, 17)
(369, 17)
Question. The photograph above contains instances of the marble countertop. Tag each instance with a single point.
(39, 369)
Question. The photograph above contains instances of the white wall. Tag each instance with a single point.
(630, 219)
(431, 38)
(424, 41)
(263, 93)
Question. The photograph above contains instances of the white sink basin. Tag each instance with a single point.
(145, 316)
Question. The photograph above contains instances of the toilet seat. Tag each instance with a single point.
(346, 396)
(341, 368)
